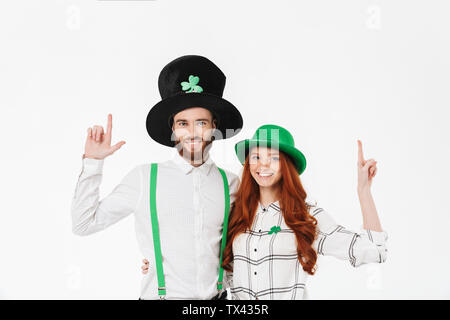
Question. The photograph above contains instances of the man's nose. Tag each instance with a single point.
(200, 133)
(190, 131)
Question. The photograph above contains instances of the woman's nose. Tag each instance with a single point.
(264, 163)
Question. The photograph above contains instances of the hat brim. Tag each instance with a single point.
(229, 118)
(243, 147)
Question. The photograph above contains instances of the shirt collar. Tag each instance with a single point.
(273, 207)
(187, 168)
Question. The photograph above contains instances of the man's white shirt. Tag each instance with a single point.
(190, 205)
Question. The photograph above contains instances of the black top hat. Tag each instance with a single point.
(191, 81)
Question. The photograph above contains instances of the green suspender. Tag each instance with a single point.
(155, 230)
(225, 226)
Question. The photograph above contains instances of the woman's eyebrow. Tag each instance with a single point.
(269, 152)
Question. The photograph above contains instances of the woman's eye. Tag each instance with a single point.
(276, 158)
(254, 157)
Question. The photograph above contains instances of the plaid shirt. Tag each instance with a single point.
(266, 265)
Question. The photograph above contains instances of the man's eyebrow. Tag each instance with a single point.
(179, 120)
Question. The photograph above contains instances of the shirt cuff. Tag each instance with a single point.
(92, 166)
(377, 237)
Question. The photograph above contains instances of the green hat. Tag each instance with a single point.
(273, 136)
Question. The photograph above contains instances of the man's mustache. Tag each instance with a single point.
(193, 139)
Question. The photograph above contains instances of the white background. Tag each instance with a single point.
(331, 72)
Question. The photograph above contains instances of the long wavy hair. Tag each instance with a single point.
(293, 206)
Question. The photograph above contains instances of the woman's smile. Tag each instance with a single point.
(265, 174)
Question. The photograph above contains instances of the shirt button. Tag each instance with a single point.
(255, 272)
(255, 249)
(259, 230)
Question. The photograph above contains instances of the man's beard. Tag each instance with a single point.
(197, 157)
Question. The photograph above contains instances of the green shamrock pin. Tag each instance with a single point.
(191, 86)
(274, 229)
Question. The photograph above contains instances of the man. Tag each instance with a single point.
(190, 201)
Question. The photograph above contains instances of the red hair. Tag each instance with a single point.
(293, 206)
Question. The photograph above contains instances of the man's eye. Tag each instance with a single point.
(202, 123)
(181, 124)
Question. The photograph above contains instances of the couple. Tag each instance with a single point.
(201, 229)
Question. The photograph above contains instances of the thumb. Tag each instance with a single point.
(117, 146)
(368, 164)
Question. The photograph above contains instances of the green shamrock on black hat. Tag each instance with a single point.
(191, 86)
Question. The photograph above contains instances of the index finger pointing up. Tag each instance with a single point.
(109, 126)
(360, 153)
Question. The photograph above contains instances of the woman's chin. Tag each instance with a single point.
(265, 182)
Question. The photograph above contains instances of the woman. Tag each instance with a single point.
(274, 234)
